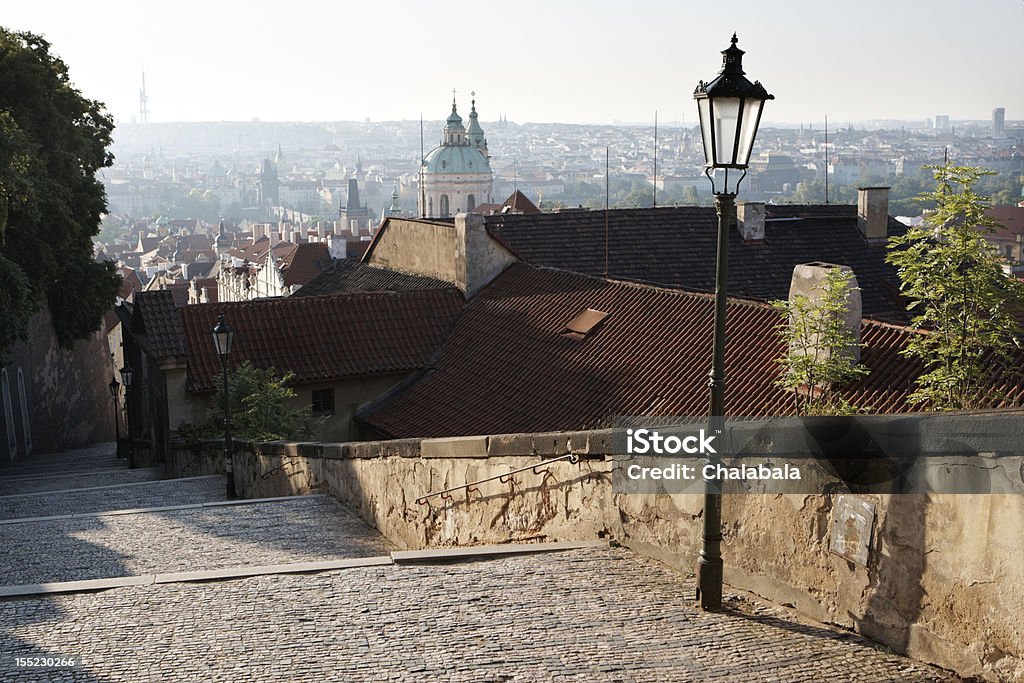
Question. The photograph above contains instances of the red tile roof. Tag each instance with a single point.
(155, 324)
(508, 365)
(304, 262)
(323, 338)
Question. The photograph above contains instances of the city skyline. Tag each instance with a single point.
(573, 62)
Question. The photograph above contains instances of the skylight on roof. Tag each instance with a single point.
(584, 323)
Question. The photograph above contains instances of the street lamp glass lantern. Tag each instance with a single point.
(114, 386)
(730, 109)
(126, 375)
(222, 336)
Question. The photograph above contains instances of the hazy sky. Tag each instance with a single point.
(533, 60)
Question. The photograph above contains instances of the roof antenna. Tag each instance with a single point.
(423, 195)
(655, 203)
(606, 186)
(826, 158)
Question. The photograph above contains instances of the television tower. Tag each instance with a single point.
(143, 101)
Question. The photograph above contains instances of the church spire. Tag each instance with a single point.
(475, 134)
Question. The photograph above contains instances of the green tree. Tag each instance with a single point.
(260, 409)
(52, 143)
(820, 346)
(961, 298)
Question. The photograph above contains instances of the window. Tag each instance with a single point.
(444, 206)
(323, 402)
(470, 203)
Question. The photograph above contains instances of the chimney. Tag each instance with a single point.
(337, 246)
(256, 231)
(873, 214)
(296, 237)
(353, 227)
(750, 221)
(274, 238)
(478, 258)
(321, 230)
(809, 280)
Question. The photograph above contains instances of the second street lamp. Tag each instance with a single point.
(730, 109)
(115, 389)
(223, 335)
(126, 379)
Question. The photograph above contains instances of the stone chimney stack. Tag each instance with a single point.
(809, 280)
(750, 221)
(873, 214)
(337, 246)
(321, 230)
(478, 259)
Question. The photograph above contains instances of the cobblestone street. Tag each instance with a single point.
(590, 614)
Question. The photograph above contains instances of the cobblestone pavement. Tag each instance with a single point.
(599, 614)
(585, 615)
(300, 530)
(15, 485)
(149, 494)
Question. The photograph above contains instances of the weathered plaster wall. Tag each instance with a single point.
(944, 581)
(348, 396)
(67, 396)
(417, 247)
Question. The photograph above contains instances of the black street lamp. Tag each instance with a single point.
(223, 335)
(730, 110)
(126, 378)
(115, 389)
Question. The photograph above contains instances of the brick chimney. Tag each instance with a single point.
(750, 221)
(873, 214)
(808, 279)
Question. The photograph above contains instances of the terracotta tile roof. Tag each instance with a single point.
(675, 247)
(155, 324)
(1011, 218)
(649, 356)
(130, 282)
(349, 275)
(304, 262)
(323, 338)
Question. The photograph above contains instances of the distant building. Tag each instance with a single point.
(999, 122)
(269, 188)
(941, 122)
(354, 215)
(456, 176)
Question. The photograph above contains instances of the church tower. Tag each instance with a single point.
(456, 176)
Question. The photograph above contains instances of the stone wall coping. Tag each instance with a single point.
(587, 444)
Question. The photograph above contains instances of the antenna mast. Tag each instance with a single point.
(655, 203)
(143, 100)
(826, 158)
(423, 195)
(606, 186)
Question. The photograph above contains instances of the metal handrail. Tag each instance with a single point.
(571, 457)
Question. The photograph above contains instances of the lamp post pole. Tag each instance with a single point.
(730, 109)
(229, 444)
(709, 570)
(222, 338)
(114, 390)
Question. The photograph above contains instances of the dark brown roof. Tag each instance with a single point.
(349, 275)
(323, 338)
(509, 366)
(155, 324)
(519, 203)
(675, 247)
(304, 262)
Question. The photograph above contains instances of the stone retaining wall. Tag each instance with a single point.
(944, 580)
